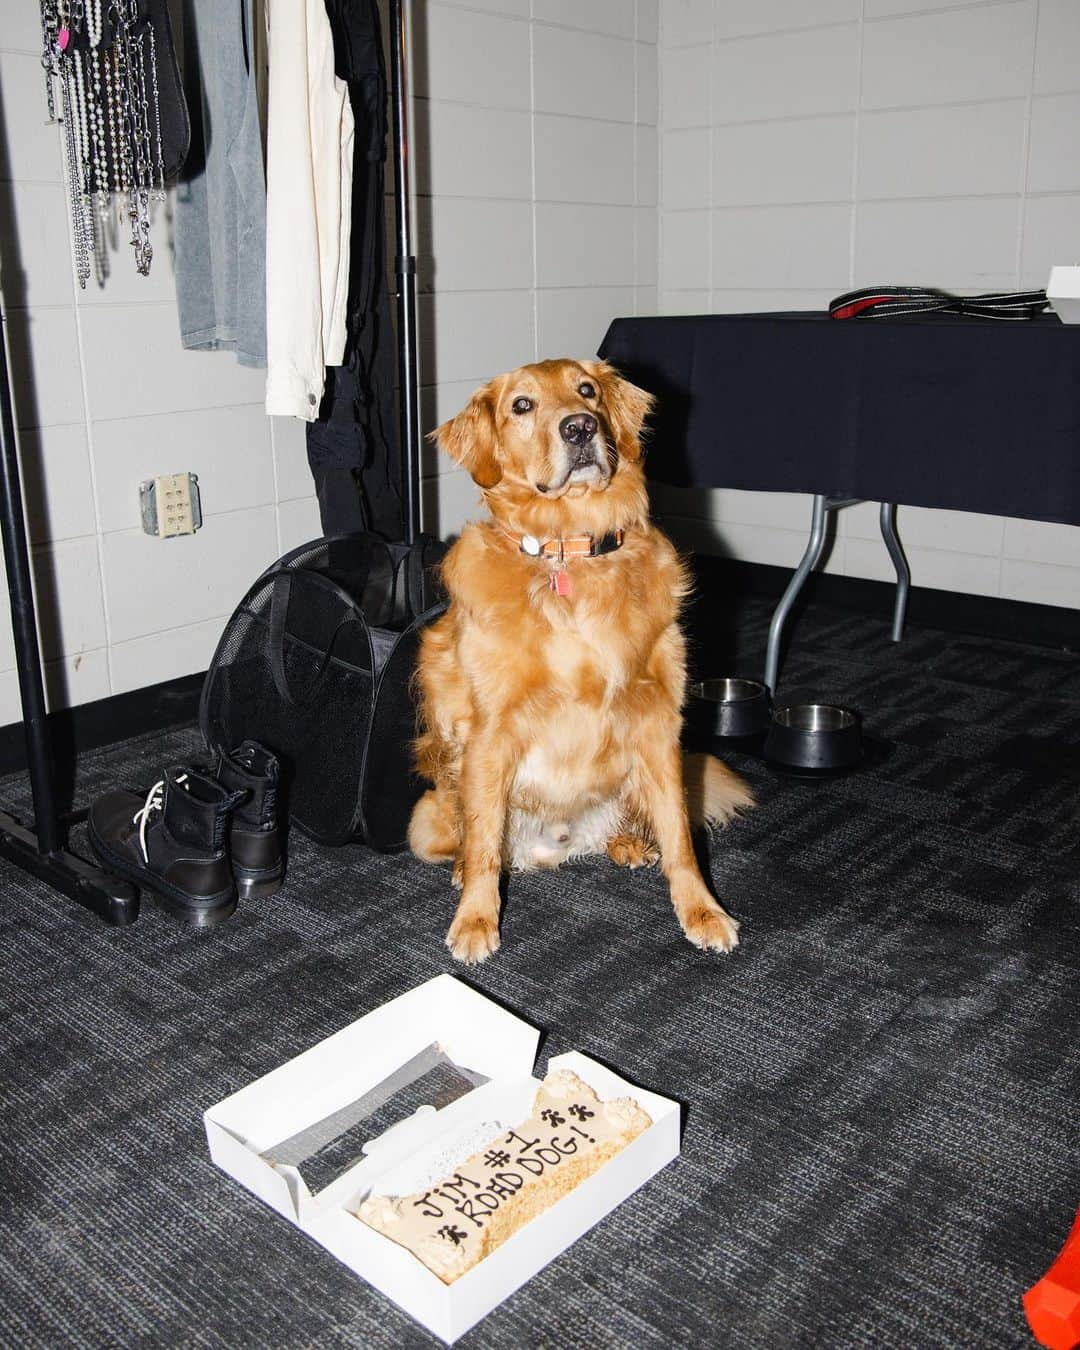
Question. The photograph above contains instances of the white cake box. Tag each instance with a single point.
(442, 1031)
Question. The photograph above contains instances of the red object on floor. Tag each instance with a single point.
(1053, 1305)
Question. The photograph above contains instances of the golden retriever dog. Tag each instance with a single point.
(551, 690)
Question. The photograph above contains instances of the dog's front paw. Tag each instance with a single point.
(473, 937)
(710, 928)
(703, 921)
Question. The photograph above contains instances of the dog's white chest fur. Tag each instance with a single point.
(560, 807)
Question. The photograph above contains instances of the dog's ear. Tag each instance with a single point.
(627, 406)
(471, 438)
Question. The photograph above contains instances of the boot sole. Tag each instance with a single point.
(258, 888)
(199, 913)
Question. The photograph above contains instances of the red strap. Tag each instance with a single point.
(850, 311)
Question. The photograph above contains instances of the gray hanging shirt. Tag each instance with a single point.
(221, 196)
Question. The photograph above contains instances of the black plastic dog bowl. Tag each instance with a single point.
(730, 707)
(816, 736)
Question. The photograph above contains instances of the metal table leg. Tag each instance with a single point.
(900, 562)
(810, 559)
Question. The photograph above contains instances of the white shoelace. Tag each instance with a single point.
(154, 801)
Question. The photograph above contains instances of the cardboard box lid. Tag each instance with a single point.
(325, 1080)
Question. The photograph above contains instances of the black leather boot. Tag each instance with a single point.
(172, 841)
(258, 860)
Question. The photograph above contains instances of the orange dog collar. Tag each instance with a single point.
(567, 545)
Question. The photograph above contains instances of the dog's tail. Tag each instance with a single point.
(714, 794)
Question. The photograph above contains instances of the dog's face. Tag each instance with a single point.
(544, 432)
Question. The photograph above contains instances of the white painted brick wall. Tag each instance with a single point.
(809, 146)
(536, 216)
(571, 162)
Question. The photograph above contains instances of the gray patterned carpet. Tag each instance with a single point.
(881, 1086)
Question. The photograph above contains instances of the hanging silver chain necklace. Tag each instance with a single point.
(102, 57)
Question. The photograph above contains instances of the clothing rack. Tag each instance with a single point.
(405, 270)
(41, 849)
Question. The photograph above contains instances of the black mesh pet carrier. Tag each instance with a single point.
(317, 664)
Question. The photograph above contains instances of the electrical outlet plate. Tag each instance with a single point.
(170, 505)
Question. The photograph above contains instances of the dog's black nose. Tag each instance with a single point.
(578, 429)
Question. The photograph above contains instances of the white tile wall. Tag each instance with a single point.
(744, 18)
(1054, 154)
(228, 448)
(687, 22)
(583, 74)
(73, 679)
(968, 243)
(615, 17)
(42, 275)
(461, 151)
(648, 87)
(1050, 233)
(942, 152)
(584, 245)
(582, 160)
(1057, 49)
(767, 163)
(57, 484)
(684, 100)
(647, 300)
(123, 283)
(571, 163)
(648, 166)
(855, 141)
(573, 322)
(289, 440)
(470, 335)
(683, 300)
(164, 656)
(786, 74)
(1041, 541)
(155, 585)
(33, 146)
(475, 244)
(472, 58)
(135, 365)
(684, 250)
(520, 8)
(782, 246)
(926, 58)
(449, 500)
(298, 522)
(536, 176)
(67, 585)
(685, 157)
(45, 340)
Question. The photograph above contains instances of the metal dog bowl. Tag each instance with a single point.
(730, 707)
(819, 736)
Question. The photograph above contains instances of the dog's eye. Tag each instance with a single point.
(586, 390)
(522, 405)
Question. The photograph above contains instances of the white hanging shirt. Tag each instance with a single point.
(309, 150)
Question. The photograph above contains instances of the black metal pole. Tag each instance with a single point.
(405, 270)
(23, 618)
(40, 851)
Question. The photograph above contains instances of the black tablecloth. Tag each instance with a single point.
(977, 415)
